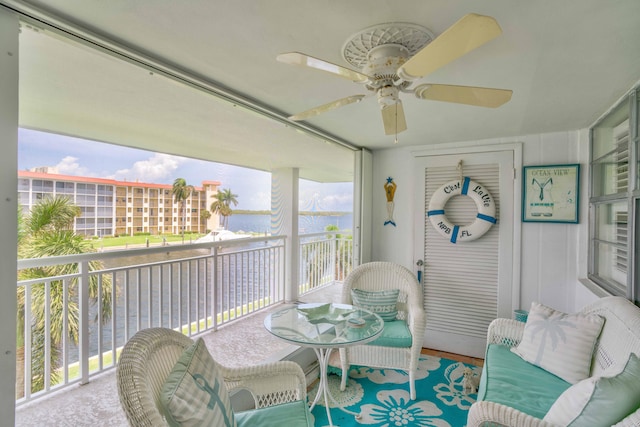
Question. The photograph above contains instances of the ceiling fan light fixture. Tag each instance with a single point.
(388, 96)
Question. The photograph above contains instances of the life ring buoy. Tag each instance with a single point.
(462, 233)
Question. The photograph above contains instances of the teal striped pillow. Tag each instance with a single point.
(599, 401)
(383, 303)
(194, 393)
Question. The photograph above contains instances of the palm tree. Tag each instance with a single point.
(222, 205)
(48, 231)
(344, 247)
(205, 215)
(181, 192)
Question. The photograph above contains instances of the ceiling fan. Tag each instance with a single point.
(391, 57)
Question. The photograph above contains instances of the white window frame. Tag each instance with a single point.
(625, 245)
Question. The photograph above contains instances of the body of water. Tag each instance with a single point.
(307, 223)
(168, 284)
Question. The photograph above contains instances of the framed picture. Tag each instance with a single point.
(550, 193)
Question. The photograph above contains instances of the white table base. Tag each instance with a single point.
(323, 355)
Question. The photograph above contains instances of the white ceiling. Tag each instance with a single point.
(566, 62)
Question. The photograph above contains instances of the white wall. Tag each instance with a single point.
(553, 256)
(8, 211)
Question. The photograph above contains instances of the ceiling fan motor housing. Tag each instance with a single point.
(383, 62)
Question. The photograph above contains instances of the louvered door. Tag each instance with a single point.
(467, 284)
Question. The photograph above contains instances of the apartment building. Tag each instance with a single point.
(112, 208)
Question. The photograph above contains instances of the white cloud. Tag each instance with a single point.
(259, 200)
(70, 166)
(338, 202)
(157, 168)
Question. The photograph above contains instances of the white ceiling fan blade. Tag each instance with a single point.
(326, 107)
(469, 33)
(393, 119)
(470, 95)
(297, 58)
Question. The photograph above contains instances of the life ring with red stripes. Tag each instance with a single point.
(462, 233)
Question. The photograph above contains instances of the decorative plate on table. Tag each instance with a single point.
(326, 313)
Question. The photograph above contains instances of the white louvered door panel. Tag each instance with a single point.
(462, 280)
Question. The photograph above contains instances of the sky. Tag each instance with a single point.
(80, 157)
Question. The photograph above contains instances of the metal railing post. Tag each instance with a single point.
(214, 286)
(83, 336)
(334, 256)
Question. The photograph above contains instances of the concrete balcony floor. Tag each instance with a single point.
(243, 343)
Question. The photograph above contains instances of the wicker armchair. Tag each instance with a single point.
(378, 276)
(620, 337)
(150, 355)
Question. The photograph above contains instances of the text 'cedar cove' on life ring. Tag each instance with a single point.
(462, 233)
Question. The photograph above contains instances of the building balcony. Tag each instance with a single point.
(244, 342)
(218, 290)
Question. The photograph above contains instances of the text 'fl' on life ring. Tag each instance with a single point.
(462, 233)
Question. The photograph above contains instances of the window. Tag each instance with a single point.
(615, 200)
(45, 186)
(64, 187)
(86, 189)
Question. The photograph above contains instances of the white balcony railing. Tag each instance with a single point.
(324, 259)
(93, 311)
(72, 325)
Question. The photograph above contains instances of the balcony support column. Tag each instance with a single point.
(284, 221)
(9, 28)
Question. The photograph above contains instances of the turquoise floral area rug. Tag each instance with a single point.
(381, 397)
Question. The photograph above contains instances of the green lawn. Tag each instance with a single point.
(107, 242)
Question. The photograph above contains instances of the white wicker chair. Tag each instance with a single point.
(378, 276)
(149, 356)
(620, 336)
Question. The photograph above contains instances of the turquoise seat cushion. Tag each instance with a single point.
(396, 333)
(510, 380)
(286, 414)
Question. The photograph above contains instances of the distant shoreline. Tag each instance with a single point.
(309, 213)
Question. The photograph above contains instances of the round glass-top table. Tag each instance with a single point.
(324, 327)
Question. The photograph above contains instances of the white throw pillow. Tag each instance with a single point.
(194, 393)
(599, 401)
(560, 343)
